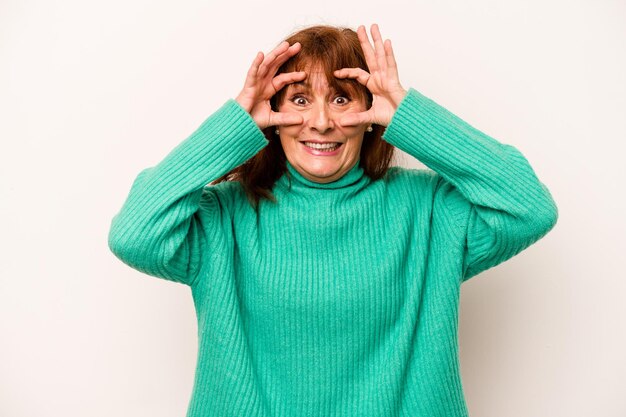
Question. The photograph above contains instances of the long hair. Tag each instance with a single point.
(328, 48)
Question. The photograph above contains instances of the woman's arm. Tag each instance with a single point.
(160, 229)
(489, 187)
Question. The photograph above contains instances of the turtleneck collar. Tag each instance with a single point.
(356, 175)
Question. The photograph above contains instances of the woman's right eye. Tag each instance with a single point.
(298, 100)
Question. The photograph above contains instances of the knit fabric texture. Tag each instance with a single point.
(338, 299)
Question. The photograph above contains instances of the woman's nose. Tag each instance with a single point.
(321, 118)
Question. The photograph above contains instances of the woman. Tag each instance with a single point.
(326, 282)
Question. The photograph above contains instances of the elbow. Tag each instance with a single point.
(544, 216)
(551, 217)
(124, 245)
(550, 211)
(118, 244)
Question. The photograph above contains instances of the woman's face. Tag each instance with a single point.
(318, 148)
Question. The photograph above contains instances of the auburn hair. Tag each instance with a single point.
(327, 48)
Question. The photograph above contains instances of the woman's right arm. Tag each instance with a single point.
(161, 228)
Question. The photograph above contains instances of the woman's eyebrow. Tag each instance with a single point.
(306, 86)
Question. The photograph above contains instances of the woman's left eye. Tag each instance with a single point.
(342, 100)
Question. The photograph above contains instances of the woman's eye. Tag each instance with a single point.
(342, 100)
(299, 100)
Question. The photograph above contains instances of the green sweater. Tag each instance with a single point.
(340, 299)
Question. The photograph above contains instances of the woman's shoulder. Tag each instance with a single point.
(423, 182)
(227, 195)
(397, 176)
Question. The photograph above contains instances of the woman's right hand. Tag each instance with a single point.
(261, 85)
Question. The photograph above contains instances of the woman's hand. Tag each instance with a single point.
(382, 80)
(261, 85)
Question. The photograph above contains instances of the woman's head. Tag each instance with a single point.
(321, 99)
(319, 148)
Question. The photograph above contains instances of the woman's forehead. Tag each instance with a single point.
(316, 81)
(313, 80)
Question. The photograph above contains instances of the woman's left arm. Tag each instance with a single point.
(488, 187)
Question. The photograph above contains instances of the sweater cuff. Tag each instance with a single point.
(225, 140)
(443, 141)
(228, 135)
(414, 110)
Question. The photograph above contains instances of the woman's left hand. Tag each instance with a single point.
(382, 80)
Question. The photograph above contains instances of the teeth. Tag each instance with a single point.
(323, 146)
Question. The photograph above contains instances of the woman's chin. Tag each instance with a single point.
(323, 173)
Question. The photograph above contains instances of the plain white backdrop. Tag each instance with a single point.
(93, 92)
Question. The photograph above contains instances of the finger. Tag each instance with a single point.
(285, 118)
(253, 70)
(282, 58)
(285, 78)
(282, 47)
(391, 59)
(359, 74)
(379, 49)
(368, 51)
(272, 66)
(355, 119)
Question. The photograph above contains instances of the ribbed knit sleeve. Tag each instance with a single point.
(160, 229)
(489, 187)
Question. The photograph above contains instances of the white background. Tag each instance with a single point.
(93, 92)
